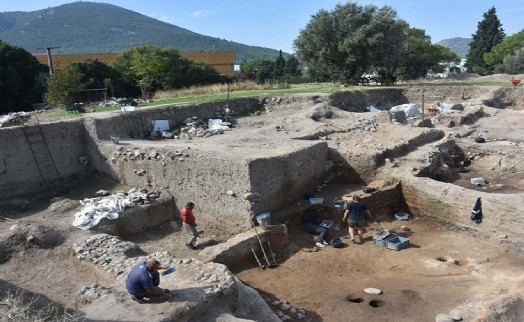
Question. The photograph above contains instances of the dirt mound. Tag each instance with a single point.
(31, 235)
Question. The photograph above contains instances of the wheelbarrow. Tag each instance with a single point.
(515, 82)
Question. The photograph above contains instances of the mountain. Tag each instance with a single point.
(459, 46)
(90, 27)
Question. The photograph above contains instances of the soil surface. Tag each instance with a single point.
(443, 266)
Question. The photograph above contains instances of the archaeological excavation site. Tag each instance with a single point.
(84, 198)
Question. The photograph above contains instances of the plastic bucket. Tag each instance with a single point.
(264, 219)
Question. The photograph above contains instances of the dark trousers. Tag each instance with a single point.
(317, 229)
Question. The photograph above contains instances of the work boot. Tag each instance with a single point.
(138, 299)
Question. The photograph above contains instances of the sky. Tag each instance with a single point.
(276, 23)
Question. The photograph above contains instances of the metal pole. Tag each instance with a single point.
(49, 59)
(423, 91)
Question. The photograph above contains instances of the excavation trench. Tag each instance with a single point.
(318, 144)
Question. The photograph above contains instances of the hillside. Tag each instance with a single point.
(458, 45)
(89, 27)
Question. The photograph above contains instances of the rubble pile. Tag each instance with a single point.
(14, 119)
(117, 257)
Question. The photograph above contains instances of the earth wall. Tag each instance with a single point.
(451, 203)
(49, 162)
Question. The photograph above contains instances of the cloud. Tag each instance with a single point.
(203, 13)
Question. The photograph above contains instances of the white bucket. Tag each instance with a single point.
(478, 181)
(264, 219)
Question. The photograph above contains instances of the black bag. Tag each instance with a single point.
(336, 243)
(476, 213)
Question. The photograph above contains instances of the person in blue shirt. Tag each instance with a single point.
(312, 223)
(143, 280)
(355, 218)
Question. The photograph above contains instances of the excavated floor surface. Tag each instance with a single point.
(443, 267)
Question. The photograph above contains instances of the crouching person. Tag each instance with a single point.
(143, 280)
(312, 223)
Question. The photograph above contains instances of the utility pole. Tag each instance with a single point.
(49, 58)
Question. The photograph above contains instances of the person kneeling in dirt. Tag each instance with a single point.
(356, 210)
(143, 280)
(312, 223)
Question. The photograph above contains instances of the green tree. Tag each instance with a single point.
(150, 68)
(21, 77)
(292, 66)
(507, 47)
(64, 86)
(489, 34)
(512, 64)
(198, 73)
(96, 75)
(262, 67)
(351, 40)
(420, 56)
(280, 65)
(146, 67)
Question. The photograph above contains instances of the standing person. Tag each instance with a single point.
(355, 217)
(189, 222)
(312, 223)
(143, 280)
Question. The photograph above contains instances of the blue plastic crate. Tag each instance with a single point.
(397, 243)
(382, 241)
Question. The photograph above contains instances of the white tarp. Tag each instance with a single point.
(95, 209)
(372, 108)
(216, 124)
(411, 110)
(5, 119)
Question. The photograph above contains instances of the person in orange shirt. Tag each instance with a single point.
(189, 222)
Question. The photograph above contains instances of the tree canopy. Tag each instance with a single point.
(512, 64)
(420, 56)
(151, 68)
(21, 79)
(63, 86)
(351, 40)
(507, 47)
(489, 34)
(96, 74)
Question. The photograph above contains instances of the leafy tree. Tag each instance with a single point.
(64, 86)
(21, 82)
(197, 73)
(146, 67)
(507, 47)
(96, 74)
(280, 65)
(489, 34)
(420, 56)
(292, 66)
(351, 40)
(512, 64)
(150, 68)
(261, 67)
